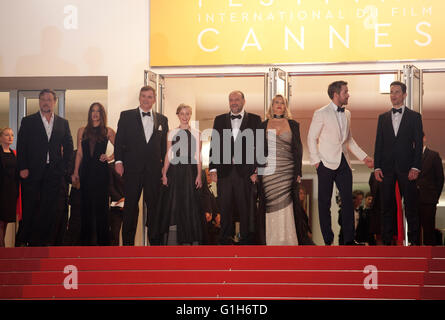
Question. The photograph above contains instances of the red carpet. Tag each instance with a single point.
(223, 272)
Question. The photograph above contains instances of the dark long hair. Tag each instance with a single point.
(90, 131)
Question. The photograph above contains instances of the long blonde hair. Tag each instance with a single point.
(287, 113)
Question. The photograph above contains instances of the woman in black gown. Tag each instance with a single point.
(91, 168)
(179, 213)
(9, 182)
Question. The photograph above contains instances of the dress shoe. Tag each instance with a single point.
(353, 243)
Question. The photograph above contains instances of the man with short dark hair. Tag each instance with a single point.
(44, 150)
(329, 142)
(429, 186)
(139, 151)
(398, 157)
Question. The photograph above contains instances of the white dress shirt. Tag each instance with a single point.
(396, 119)
(48, 128)
(341, 119)
(236, 123)
(147, 122)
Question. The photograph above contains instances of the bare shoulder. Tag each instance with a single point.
(110, 132)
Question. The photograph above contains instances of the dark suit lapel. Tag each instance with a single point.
(227, 121)
(427, 159)
(388, 119)
(244, 122)
(139, 124)
(425, 155)
(404, 120)
(39, 123)
(56, 126)
(155, 120)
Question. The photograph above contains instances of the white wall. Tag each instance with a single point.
(111, 39)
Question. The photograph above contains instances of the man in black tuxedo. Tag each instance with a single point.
(429, 186)
(44, 149)
(398, 157)
(141, 142)
(232, 166)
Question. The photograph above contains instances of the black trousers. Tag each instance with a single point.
(134, 183)
(342, 176)
(427, 213)
(40, 203)
(116, 218)
(235, 193)
(408, 191)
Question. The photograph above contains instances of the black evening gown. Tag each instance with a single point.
(9, 188)
(94, 179)
(180, 200)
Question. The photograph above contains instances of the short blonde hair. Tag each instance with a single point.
(183, 106)
(2, 130)
(287, 113)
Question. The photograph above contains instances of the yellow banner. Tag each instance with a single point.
(243, 32)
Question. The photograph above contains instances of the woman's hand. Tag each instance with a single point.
(198, 181)
(75, 178)
(164, 180)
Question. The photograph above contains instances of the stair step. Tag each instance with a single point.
(213, 291)
(222, 263)
(212, 277)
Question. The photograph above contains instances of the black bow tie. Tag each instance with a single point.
(278, 116)
(235, 117)
(340, 109)
(394, 110)
(146, 114)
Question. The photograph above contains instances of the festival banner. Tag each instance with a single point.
(255, 32)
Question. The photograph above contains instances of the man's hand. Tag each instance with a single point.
(119, 167)
(254, 178)
(378, 174)
(369, 162)
(213, 176)
(24, 173)
(103, 158)
(316, 165)
(413, 174)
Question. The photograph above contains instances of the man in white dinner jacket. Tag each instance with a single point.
(329, 142)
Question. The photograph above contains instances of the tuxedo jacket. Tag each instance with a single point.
(219, 157)
(116, 186)
(132, 148)
(403, 151)
(431, 178)
(326, 143)
(297, 147)
(33, 146)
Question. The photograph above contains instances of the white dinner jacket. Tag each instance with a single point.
(325, 141)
